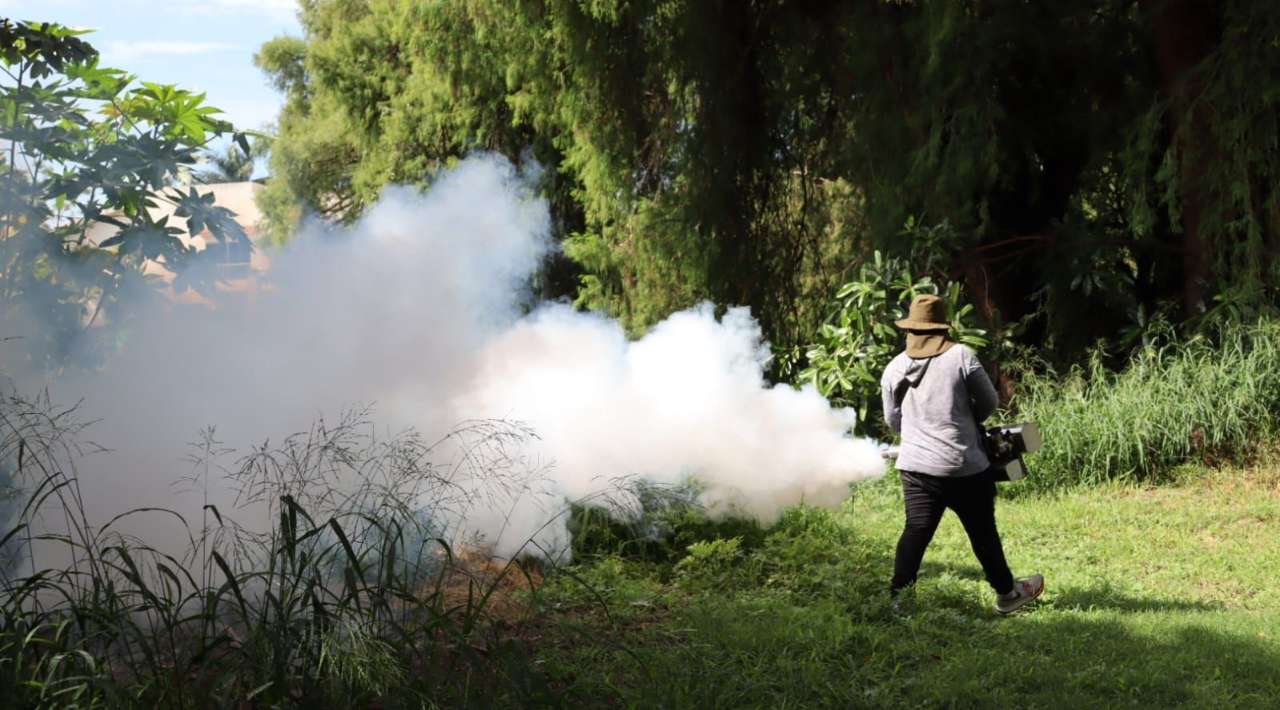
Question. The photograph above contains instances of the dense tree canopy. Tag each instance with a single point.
(1081, 166)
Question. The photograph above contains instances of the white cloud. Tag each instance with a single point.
(275, 8)
(126, 51)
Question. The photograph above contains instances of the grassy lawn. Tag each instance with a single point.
(1155, 597)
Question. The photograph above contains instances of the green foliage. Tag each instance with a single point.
(808, 553)
(233, 163)
(754, 153)
(657, 180)
(1177, 400)
(651, 523)
(805, 552)
(87, 146)
(1212, 169)
(859, 338)
(596, 531)
(716, 564)
(382, 93)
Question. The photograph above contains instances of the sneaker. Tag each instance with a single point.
(898, 606)
(1024, 591)
(900, 602)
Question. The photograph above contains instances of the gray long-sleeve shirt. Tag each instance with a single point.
(939, 416)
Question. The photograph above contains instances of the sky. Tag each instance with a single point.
(202, 45)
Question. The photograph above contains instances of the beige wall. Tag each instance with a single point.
(240, 198)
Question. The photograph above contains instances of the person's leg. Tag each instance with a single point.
(924, 507)
(974, 501)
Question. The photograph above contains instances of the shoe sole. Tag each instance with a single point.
(1028, 601)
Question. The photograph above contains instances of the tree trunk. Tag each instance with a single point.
(993, 305)
(1185, 33)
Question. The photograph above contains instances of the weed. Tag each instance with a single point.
(352, 595)
(1199, 399)
(716, 564)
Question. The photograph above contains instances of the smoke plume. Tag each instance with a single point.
(423, 308)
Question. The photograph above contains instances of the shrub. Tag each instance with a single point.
(1176, 400)
(859, 338)
(638, 520)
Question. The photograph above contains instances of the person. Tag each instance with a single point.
(936, 395)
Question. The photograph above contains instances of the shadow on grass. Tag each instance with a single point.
(819, 644)
(950, 650)
(821, 632)
(753, 653)
(1105, 596)
(1102, 596)
(1078, 662)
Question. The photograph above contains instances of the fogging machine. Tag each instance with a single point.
(1004, 446)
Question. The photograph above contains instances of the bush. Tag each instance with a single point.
(859, 338)
(1211, 399)
(643, 521)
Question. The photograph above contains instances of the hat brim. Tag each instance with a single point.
(928, 326)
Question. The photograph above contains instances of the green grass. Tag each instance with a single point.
(1196, 399)
(1156, 597)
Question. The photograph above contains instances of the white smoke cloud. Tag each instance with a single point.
(421, 308)
(688, 399)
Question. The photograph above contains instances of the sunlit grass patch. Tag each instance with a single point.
(1156, 596)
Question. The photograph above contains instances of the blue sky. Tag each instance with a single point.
(203, 45)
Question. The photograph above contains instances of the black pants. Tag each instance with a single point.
(973, 498)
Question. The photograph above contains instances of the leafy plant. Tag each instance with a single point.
(233, 163)
(90, 154)
(859, 338)
(642, 521)
(716, 564)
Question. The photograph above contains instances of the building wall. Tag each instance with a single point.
(240, 198)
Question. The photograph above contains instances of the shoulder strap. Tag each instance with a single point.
(905, 384)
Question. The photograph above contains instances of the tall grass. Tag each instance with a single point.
(351, 596)
(1200, 398)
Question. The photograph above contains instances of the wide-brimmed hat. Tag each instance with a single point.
(928, 313)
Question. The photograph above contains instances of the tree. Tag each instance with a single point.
(758, 152)
(1219, 149)
(414, 85)
(86, 146)
(232, 163)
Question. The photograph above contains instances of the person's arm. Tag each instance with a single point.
(892, 411)
(981, 392)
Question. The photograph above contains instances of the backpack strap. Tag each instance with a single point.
(905, 384)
